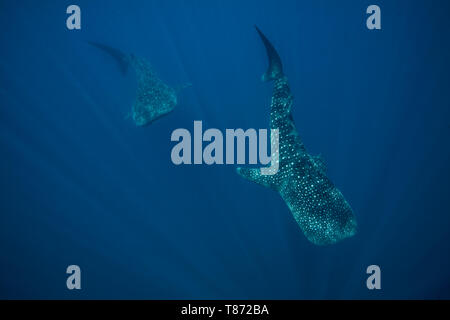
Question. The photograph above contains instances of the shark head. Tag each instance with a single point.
(340, 222)
(152, 102)
(319, 208)
(146, 112)
(322, 211)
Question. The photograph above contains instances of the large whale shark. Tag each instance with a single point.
(154, 98)
(317, 205)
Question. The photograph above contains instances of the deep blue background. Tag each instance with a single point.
(82, 185)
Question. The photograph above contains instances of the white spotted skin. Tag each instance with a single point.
(319, 208)
(154, 98)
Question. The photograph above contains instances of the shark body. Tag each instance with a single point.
(319, 208)
(154, 98)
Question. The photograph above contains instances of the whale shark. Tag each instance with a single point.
(154, 98)
(319, 208)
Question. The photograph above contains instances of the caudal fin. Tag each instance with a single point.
(120, 57)
(275, 70)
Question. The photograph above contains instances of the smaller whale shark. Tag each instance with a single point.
(317, 205)
(154, 98)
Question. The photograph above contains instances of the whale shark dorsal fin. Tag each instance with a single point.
(275, 69)
(119, 57)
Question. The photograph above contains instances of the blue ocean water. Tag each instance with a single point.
(80, 184)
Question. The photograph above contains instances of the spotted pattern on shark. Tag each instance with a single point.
(154, 98)
(319, 208)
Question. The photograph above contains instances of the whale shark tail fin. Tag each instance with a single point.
(275, 70)
(120, 57)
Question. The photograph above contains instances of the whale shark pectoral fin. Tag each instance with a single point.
(255, 175)
(275, 69)
(182, 86)
(120, 57)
